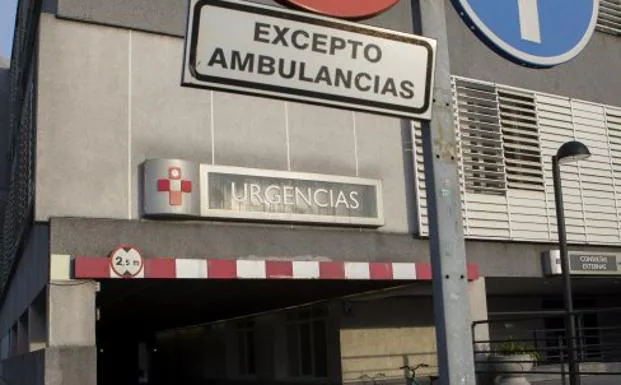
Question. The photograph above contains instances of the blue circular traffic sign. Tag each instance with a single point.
(537, 33)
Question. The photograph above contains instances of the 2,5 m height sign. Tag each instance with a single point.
(261, 50)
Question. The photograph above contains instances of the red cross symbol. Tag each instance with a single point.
(175, 186)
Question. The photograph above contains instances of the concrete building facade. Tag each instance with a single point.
(95, 94)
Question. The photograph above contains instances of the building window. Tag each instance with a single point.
(307, 342)
(246, 348)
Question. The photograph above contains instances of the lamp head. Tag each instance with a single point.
(572, 151)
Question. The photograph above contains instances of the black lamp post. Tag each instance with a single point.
(569, 152)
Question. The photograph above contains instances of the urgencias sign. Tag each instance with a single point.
(175, 187)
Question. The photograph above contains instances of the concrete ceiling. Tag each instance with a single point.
(152, 305)
(163, 304)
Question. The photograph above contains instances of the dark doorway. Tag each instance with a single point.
(125, 358)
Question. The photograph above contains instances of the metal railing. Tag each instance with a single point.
(534, 345)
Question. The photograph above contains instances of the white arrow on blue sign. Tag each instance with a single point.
(536, 33)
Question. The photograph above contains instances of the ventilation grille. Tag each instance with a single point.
(498, 137)
(520, 135)
(609, 19)
(480, 137)
(506, 138)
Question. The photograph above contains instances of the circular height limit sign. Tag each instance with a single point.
(126, 261)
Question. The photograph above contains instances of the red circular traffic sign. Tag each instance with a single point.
(345, 8)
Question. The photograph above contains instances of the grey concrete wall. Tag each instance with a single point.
(515, 259)
(82, 121)
(592, 76)
(379, 336)
(70, 366)
(110, 98)
(71, 313)
(168, 16)
(92, 237)
(477, 296)
(30, 278)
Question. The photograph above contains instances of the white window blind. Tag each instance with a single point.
(506, 137)
(609, 19)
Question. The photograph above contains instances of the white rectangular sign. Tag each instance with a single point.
(180, 188)
(261, 50)
(583, 263)
(246, 193)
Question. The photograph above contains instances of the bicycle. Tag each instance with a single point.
(412, 379)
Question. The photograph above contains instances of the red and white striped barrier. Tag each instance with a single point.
(180, 268)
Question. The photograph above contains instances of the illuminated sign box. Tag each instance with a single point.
(181, 188)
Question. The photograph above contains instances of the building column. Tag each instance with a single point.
(478, 308)
(71, 356)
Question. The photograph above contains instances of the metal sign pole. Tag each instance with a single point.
(446, 238)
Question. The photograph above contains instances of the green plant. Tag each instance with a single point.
(511, 346)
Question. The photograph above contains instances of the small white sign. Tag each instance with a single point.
(256, 49)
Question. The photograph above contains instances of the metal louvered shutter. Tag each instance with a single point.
(609, 19)
(531, 126)
(520, 138)
(479, 137)
(587, 185)
(419, 169)
(613, 126)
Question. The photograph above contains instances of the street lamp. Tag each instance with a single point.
(569, 152)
